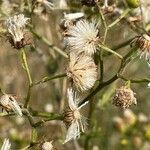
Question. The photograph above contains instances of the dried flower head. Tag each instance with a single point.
(17, 36)
(143, 43)
(82, 71)
(48, 146)
(9, 103)
(6, 145)
(124, 97)
(83, 37)
(73, 120)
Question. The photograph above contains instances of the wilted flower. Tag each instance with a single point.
(124, 97)
(82, 71)
(9, 103)
(17, 36)
(6, 145)
(48, 146)
(72, 117)
(143, 43)
(83, 37)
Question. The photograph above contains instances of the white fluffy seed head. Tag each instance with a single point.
(82, 71)
(15, 26)
(72, 117)
(83, 37)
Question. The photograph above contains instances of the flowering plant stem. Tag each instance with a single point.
(121, 17)
(44, 40)
(109, 50)
(101, 85)
(46, 79)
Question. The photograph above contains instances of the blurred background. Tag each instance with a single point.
(110, 128)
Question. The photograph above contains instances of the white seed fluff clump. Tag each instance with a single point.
(6, 145)
(72, 117)
(16, 25)
(9, 103)
(82, 71)
(83, 37)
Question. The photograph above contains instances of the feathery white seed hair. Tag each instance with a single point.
(79, 121)
(9, 102)
(145, 53)
(15, 26)
(82, 70)
(83, 37)
(6, 145)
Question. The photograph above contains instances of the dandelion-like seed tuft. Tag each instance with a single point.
(16, 34)
(124, 97)
(82, 71)
(83, 37)
(73, 119)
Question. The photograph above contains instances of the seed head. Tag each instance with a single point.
(82, 71)
(73, 120)
(143, 43)
(83, 37)
(124, 97)
(9, 104)
(16, 34)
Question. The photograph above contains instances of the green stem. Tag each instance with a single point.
(46, 79)
(25, 65)
(121, 17)
(111, 51)
(44, 40)
(114, 78)
(146, 80)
